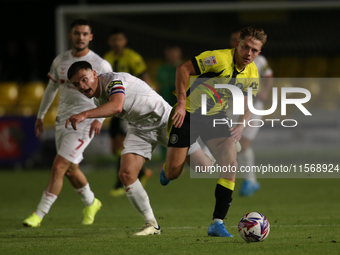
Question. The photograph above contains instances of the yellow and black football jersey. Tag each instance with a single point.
(130, 62)
(218, 67)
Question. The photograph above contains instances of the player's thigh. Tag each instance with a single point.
(72, 143)
(138, 142)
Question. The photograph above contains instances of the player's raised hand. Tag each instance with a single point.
(95, 128)
(38, 127)
(75, 119)
(179, 115)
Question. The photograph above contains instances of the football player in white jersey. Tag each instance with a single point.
(126, 96)
(246, 156)
(70, 144)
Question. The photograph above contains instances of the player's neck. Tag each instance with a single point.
(239, 68)
(78, 54)
(98, 89)
(119, 52)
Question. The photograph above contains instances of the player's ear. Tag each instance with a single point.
(91, 37)
(69, 35)
(94, 73)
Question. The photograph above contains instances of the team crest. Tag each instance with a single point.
(174, 139)
(209, 61)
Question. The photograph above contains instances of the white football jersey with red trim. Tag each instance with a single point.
(143, 107)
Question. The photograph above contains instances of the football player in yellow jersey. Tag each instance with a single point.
(196, 77)
(124, 59)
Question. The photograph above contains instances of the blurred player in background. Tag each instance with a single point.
(246, 157)
(124, 59)
(237, 68)
(70, 144)
(166, 77)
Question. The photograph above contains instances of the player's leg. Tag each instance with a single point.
(116, 148)
(70, 147)
(118, 129)
(224, 151)
(199, 155)
(177, 149)
(175, 159)
(73, 146)
(50, 194)
(247, 158)
(135, 192)
(82, 187)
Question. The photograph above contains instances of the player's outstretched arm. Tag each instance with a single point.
(113, 107)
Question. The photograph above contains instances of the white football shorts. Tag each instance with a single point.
(143, 140)
(72, 143)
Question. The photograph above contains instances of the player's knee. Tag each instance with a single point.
(126, 176)
(59, 168)
(58, 172)
(172, 173)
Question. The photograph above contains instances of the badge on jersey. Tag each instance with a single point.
(115, 87)
(209, 61)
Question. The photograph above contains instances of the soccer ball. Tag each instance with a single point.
(254, 227)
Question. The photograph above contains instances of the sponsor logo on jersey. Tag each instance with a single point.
(209, 61)
(202, 66)
(115, 87)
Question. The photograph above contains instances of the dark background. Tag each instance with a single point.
(31, 23)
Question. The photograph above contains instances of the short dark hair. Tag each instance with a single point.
(117, 30)
(80, 22)
(76, 66)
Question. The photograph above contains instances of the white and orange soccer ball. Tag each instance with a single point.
(254, 227)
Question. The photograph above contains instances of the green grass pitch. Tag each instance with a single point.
(304, 215)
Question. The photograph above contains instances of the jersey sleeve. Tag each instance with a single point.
(53, 74)
(114, 87)
(105, 67)
(48, 97)
(207, 62)
(137, 65)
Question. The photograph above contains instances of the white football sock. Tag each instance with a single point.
(86, 194)
(140, 201)
(214, 220)
(45, 204)
(247, 158)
